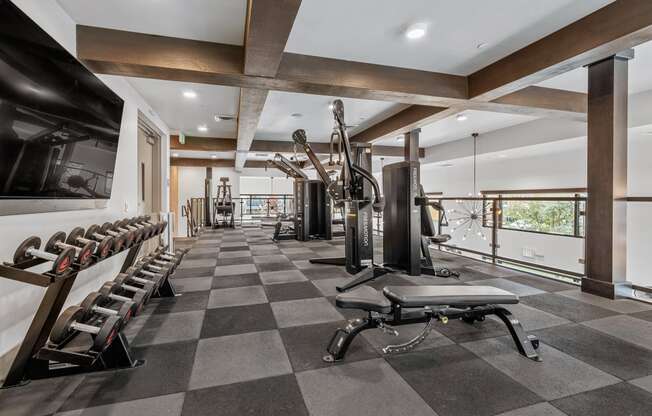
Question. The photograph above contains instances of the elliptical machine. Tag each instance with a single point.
(360, 194)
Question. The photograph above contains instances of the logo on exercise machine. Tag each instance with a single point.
(365, 228)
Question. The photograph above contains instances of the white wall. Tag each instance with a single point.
(18, 301)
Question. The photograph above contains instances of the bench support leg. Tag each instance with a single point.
(525, 344)
(343, 337)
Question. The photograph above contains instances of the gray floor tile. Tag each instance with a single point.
(291, 291)
(234, 254)
(233, 244)
(634, 330)
(620, 399)
(237, 358)
(297, 250)
(191, 301)
(39, 397)
(568, 308)
(515, 288)
(191, 273)
(379, 339)
(325, 272)
(532, 318)
(620, 305)
(304, 312)
(271, 258)
(236, 296)
(283, 276)
(164, 328)
(192, 284)
(193, 264)
(207, 242)
(235, 261)
(305, 264)
(610, 354)
(239, 280)
(168, 405)
(644, 382)
(327, 287)
(476, 389)
(545, 284)
(237, 320)
(495, 271)
(235, 269)
(203, 250)
(559, 374)
(539, 409)
(366, 388)
(647, 315)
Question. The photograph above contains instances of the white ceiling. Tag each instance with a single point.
(639, 74)
(450, 129)
(193, 154)
(184, 114)
(277, 122)
(210, 20)
(372, 30)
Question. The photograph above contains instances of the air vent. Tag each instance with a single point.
(222, 117)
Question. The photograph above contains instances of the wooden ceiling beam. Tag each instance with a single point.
(614, 28)
(203, 144)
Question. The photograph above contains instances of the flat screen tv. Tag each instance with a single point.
(59, 124)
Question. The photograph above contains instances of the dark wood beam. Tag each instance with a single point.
(214, 144)
(618, 26)
(606, 207)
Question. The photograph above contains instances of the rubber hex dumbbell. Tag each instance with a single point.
(141, 276)
(72, 320)
(94, 233)
(96, 304)
(30, 249)
(108, 229)
(111, 290)
(129, 283)
(83, 255)
(76, 238)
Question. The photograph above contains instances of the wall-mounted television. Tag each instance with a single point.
(59, 124)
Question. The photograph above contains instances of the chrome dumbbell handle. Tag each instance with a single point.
(130, 288)
(148, 273)
(104, 311)
(119, 298)
(63, 246)
(85, 328)
(35, 252)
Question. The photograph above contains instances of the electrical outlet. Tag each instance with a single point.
(528, 252)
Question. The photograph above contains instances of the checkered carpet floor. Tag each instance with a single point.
(247, 335)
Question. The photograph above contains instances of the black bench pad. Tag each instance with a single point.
(365, 298)
(420, 296)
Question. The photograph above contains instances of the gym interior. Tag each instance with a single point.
(304, 207)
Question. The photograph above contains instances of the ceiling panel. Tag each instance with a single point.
(285, 112)
(194, 154)
(639, 74)
(187, 114)
(455, 29)
(210, 20)
(451, 129)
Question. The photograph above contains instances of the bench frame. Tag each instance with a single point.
(341, 340)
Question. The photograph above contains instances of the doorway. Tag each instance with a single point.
(149, 168)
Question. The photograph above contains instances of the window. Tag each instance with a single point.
(551, 217)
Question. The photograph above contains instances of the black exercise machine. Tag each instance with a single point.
(404, 305)
(360, 194)
(223, 207)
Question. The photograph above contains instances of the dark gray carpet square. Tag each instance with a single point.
(237, 320)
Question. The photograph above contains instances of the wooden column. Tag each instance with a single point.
(412, 145)
(606, 213)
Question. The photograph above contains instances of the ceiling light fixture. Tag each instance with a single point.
(202, 128)
(213, 156)
(190, 94)
(416, 31)
(481, 45)
(330, 106)
(461, 117)
(175, 154)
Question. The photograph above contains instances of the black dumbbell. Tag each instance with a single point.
(138, 275)
(96, 304)
(113, 291)
(155, 260)
(132, 283)
(108, 229)
(83, 255)
(76, 238)
(30, 249)
(119, 225)
(146, 263)
(72, 320)
(150, 230)
(94, 233)
(176, 257)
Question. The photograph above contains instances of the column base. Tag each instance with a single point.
(608, 290)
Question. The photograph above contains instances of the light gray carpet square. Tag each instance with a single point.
(192, 284)
(234, 254)
(236, 296)
(234, 244)
(513, 287)
(164, 328)
(328, 286)
(539, 409)
(618, 305)
(645, 383)
(531, 318)
(363, 388)
(235, 269)
(194, 264)
(204, 250)
(282, 276)
(272, 258)
(559, 375)
(237, 358)
(296, 250)
(304, 312)
(627, 328)
(168, 405)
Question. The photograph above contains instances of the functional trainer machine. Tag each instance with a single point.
(360, 194)
(312, 218)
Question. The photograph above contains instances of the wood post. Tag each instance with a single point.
(412, 145)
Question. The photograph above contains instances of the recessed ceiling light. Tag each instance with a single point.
(222, 117)
(202, 128)
(175, 154)
(461, 117)
(296, 115)
(190, 94)
(213, 156)
(416, 31)
(481, 45)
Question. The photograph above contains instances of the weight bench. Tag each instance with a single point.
(403, 305)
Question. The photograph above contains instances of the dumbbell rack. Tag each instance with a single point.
(33, 358)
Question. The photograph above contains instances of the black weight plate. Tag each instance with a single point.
(20, 255)
(93, 229)
(91, 300)
(119, 242)
(126, 311)
(108, 331)
(58, 237)
(76, 233)
(62, 327)
(107, 226)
